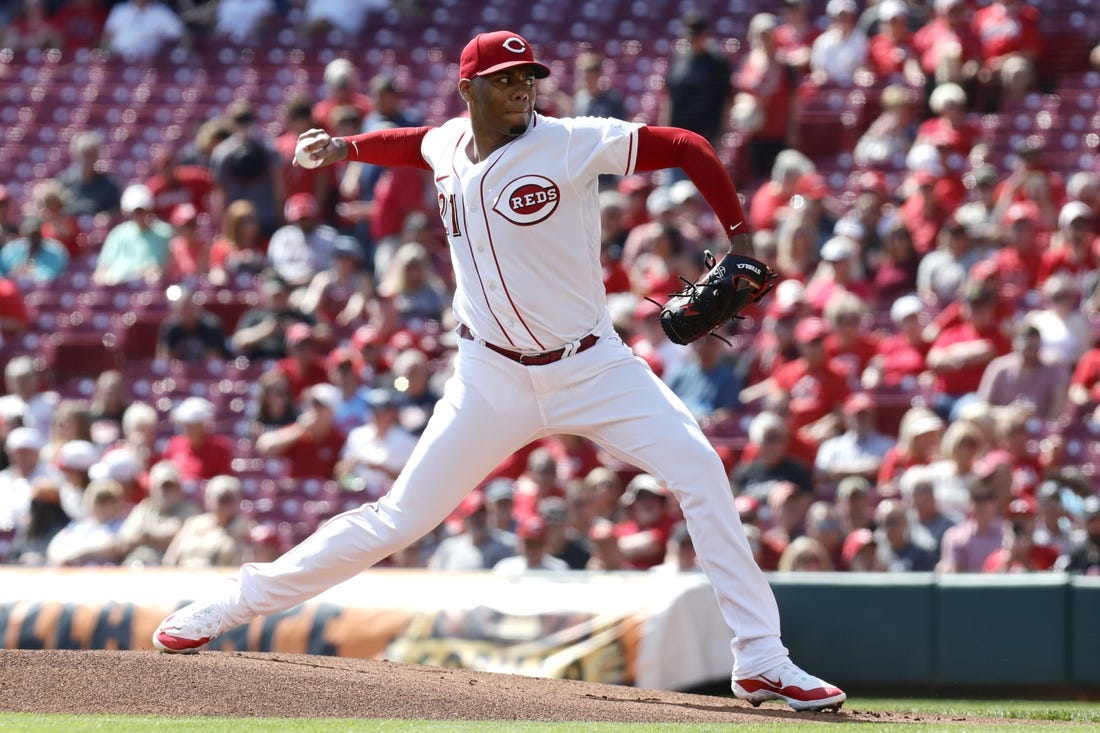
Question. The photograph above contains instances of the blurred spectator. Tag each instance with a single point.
(966, 545)
(499, 493)
(859, 450)
(342, 88)
(951, 121)
(1022, 377)
(823, 525)
(900, 549)
(1053, 526)
(33, 258)
(706, 381)
(839, 269)
(923, 213)
(787, 508)
(1020, 553)
(71, 420)
(947, 46)
(32, 27)
(190, 333)
(643, 536)
(174, 184)
(23, 381)
(303, 246)
(855, 504)
(189, 249)
(51, 205)
(1030, 183)
(138, 29)
(774, 195)
(311, 445)
(532, 533)
(943, 271)
(412, 379)
(207, 134)
(806, 555)
(962, 445)
(1084, 385)
(243, 20)
(342, 293)
(919, 436)
(595, 95)
(961, 353)
(841, 51)
(261, 330)
(272, 407)
(698, 83)
(413, 285)
(773, 463)
(45, 518)
(762, 107)
(8, 227)
(22, 446)
(74, 460)
(318, 182)
(900, 356)
(680, 554)
(775, 344)
(815, 389)
(80, 23)
(90, 189)
(1011, 43)
(218, 536)
(574, 456)
(303, 365)
(1018, 260)
(124, 466)
(850, 345)
(263, 544)
(92, 540)
(895, 267)
(538, 481)
(890, 52)
(562, 540)
(107, 406)
(139, 432)
(197, 451)
(796, 35)
(888, 138)
(860, 552)
(240, 248)
(375, 453)
(1084, 557)
(344, 367)
(1074, 250)
(917, 488)
(480, 546)
(979, 214)
(136, 249)
(606, 488)
(246, 166)
(152, 525)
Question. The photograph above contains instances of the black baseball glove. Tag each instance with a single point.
(723, 293)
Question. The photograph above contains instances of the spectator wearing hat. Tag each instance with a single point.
(839, 269)
(1083, 557)
(918, 444)
(890, 52)
(1018, 260)
(151, 526)
(175, 184)
(762, 108)
(706, 382)
(643, 535)
(45, 518)
(1073, 249)
(539, 479)
(92, 540)
(238, 250)
(813, 389)
(197, 452)
(304, 245)
(302, 365)
(190, 333)
(344, 367)
(698, 83)
(1053, 525)
(900, 354)
(22, 381)
(23, 446)
(263, 544)
(533, 534)
(32, 257)
(948, 49)
(376, 452)
(840, 51)
(342, 83)
(952, 127)
(245, 166)
(966, 545)
(889, 136)
(917, 488)
(123, 466)
(342, 293)
(855, 503)
(74, 461)
(136, 249)
(480, 546)
(861, 551)
(979, 213)
(499, 501)
(924, 211)
(90, 189)
(901, 546)
(961, 353)
(189, 249)
(775, 345)
(775, 194)
(219, 536)
(858, 451)
(261, 330)
(1020, 553)
(772, 463)
(1023, 377)
(297, 114)
(312, 444)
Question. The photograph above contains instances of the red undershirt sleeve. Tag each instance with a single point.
(397, 146)
(673, 147)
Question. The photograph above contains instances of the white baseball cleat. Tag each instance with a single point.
(190, 628)
(788, 682)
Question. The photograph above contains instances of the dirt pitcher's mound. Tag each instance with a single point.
(286, 685)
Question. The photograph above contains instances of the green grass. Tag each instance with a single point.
(1016, 716)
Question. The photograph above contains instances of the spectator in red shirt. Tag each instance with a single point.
(173, 184)
(900, 355)
(342, 82)
(1073, 248)
(51, 200)
(32, 28)
(960, 354)
(1009, 34)
(574, 456)
(14, 318)
(765, 85)
(849, 345)
(80, 23)
(796, 35)
(838, 271)
(197, 452)
(239, 251)
(643, 536)
(303, 365)
(1032, 182)
(189, 249)
(948, 48)
(923, 214)
(311, 445)
(775, 345)
(895, 268)
(321, 182)
(1019, 258)
(951, 123)
(890, 53)
(773, 195)
(816, 389)
(1020, 553)
(1084, 385)
(537, 482)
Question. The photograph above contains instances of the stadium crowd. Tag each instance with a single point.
(919, 393)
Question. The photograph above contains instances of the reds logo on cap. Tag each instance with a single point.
(488, 53)
(528, 200)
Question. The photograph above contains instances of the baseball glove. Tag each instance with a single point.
(723, 293)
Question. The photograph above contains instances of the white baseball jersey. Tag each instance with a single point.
(523, 225)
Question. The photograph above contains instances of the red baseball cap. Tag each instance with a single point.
(856, 541)
(532, 528)
(810, 329)
(858, 402)
(474, 502)
(488, 53)
(299, 206)
(296, 333)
